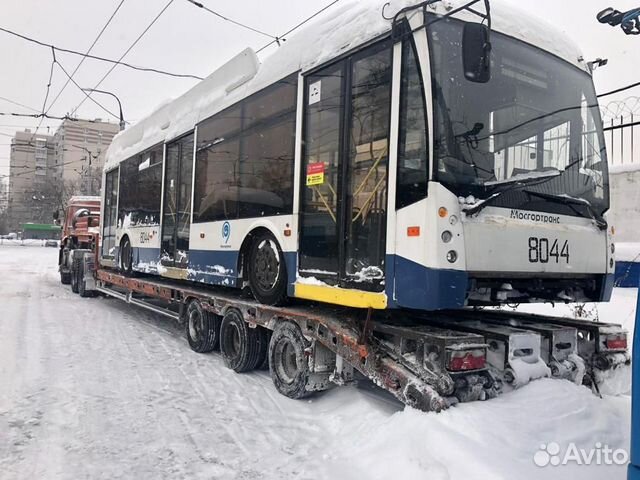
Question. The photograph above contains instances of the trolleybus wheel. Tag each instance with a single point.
(126, 255)
(288, 362)
(267, 270)
(203, 328)
(240, 345)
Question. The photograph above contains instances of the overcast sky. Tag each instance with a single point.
(188, 40)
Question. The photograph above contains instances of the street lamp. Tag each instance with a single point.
(93, 90)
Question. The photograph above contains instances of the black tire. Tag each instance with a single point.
(288, 362)
(263, 354)
(267, 271)
(65, 278)
(81, 286)
(75, 272)
(126, 256)
(240, 345)
(202, 328)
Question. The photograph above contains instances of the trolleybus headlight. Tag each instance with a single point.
(447, 236)
(453, 220)
(452, 256)
(611, 263)
(613, 248)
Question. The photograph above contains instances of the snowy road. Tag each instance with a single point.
(91, 388)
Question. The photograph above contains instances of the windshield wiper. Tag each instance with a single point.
(532, 181)
(570, 202)
(520, 183)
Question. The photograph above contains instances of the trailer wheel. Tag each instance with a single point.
(263, 357)
(203, 328)
(75, 273)
(267, 271)
(288, 362)
(240, 345)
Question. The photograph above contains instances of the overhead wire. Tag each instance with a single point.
(70, 77)
(98, 58)
(85, 56)
(619, 90)
(230, 20)
(18, 104)
(144, 32)
(282, 37)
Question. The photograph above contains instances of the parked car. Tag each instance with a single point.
(51, 243)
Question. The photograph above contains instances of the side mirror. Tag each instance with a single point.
(476, 53)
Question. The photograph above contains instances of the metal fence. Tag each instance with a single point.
(622, 136)
(621, 120)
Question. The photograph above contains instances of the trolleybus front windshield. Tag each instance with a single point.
(534, 127)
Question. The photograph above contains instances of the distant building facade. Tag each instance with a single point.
(46, 170)
(80, 148)
(32, 177)
(4, 194)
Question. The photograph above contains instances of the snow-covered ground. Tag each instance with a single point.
(92, 388)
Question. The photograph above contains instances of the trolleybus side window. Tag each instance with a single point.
(110, 214)
(140, 188)
(216, 180)
(245, 158)
(413, 163)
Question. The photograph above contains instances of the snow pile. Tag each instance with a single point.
(496, 439)
(628, 252)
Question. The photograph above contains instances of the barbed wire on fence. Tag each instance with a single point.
(621, 109)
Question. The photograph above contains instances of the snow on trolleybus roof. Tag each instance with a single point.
(342, 29)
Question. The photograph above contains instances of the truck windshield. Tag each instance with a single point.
(535, 123)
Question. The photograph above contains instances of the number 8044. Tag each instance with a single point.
(544, 250)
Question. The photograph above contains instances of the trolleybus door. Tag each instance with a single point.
(176, 216)
(344, 184)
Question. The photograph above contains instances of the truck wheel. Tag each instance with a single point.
(75, 273)
(126, 256)
(82, 291)
(203, 328)
(288, 362)
(267, 271)
(240, 345)
(65, 278)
